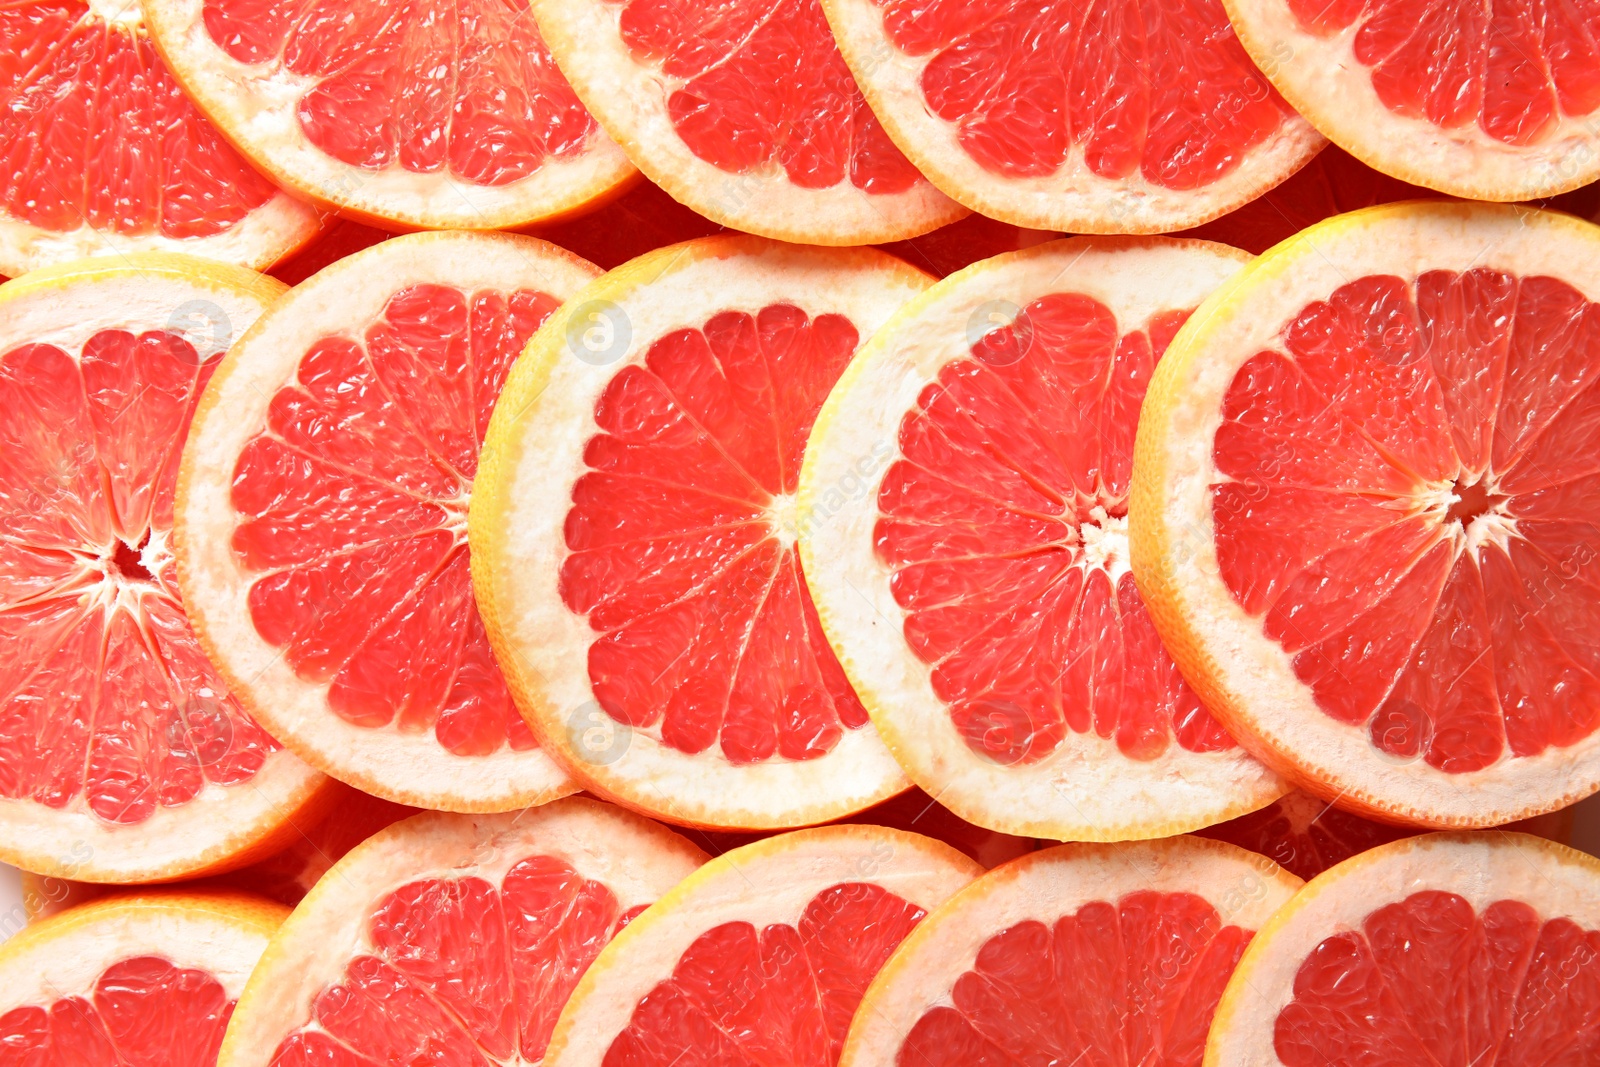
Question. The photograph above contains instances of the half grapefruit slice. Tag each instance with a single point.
(136, 979)
(100, 153)
(745, 112)
(963, 524)
(1479, 949)
(759, 957)
(452, 939)
(1112, 118)
(123, 756)
(634, 533)
(322, 516)
(421, 114)
(1104, 954)
(1488, 101)
(1362, 510)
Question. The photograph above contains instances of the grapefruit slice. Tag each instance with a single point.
(1488, 101)
(452, 938)
(79, 177)
(759, 957)
(1104, 954)
(745, 112)
(136, 979)
(962, 517)
(634, 533)
(1119, 118)
(421, 114)
(1360, 510)
(321, 516)
(123, 756)
(1479, 949)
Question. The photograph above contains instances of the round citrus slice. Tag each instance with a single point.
(452, 938)
(963, 525)
(136, 979)
(1361, 510)
(322, 516)
(81, 177)
(634, 533)
(123, 756)
(761, 956)
(745, 112)
(1488, 101)
(1478, 949)
(1110, 118)
(422, 113)
(1103, 954)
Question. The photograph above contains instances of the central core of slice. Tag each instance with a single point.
(681, 540)
(1004, 525)
(1410, 482)
(127, 561)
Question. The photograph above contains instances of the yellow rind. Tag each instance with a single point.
(253, 913)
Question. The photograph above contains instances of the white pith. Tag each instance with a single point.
(637, 860)
(1264, 702)
(1325, 82)
(630, 99)
(1086, 789)
(1245, 889)
(1073, 199)
(406, 767)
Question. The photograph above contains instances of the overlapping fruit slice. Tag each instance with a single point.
(420, 113)
(1113, 954)
(968, 480)
(452, 938)
(1117, 117)
(1491, 101)
(746, 112)
(761, 956)
(1362, 510)
(136, 979)
(100, 153)
(635, 530)
(123, 756)
(1440, 949)
(322, 516)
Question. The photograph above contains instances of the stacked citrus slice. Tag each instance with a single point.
(761, 956)
(322, 516)
(123, 756)
(81, 178)
(419, 114)
(963, 522)
(1111, 118)
(1113, 954)
(634, 533)
(452, 938)
(1362, 510)
(689, 89)
(1442, 949)
(137, 979)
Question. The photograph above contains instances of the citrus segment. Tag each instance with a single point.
(761, 957)
(1107, 954)
(454, 935)
(131, 980)
(745, 112)
(968, 479)
(83, 178)
(1115, 119)
(1438, 949)
(324, 507)
(424, 115)
(1492, 102)
(656, 625)
(1393, 472)
(116, 728)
